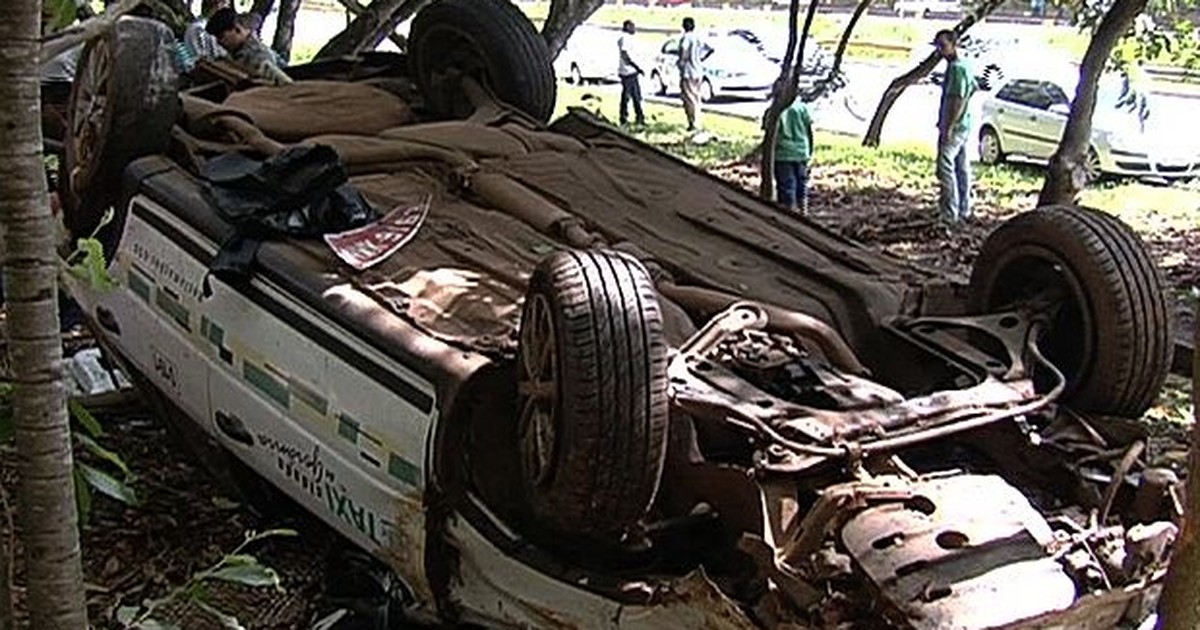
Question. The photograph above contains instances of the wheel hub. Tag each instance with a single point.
(537, 386)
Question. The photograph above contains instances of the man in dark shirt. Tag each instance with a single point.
(244, 48)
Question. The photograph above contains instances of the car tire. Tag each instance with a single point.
(1110, 333)
(490, 40)
(122, 106)
(592, 383)
(990, 149)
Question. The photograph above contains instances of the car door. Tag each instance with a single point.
(1051, 121)
(668, 71)
(1020, 106)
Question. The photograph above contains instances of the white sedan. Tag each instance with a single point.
(1026, 117)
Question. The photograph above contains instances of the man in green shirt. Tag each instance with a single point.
(793, 147)
(954, 128)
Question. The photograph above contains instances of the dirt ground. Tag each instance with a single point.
(185, 523)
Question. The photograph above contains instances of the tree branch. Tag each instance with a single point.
(904, 81)
(833, 80)
(370, 24)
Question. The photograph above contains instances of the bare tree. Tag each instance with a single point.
(786, 88)
(1066, 174)
(285, 27)
(370, 26)
(46, 496)
(906, 80)
(833, 77)
(564, 17)
(1179, 606)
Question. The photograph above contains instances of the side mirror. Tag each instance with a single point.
(1061, 109)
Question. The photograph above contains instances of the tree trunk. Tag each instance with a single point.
(46, 497)
(1179, 606)
(285, 27)
(377, 21)
(262, 7)
(833, 78)
(564, 16)
(785, 92)
(906, 80)
(1065, 176)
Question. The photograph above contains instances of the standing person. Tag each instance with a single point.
(245, 49)
(793, 148)
(691, 72)
(630, 73)
(954, 128)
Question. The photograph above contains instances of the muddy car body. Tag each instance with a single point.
(600, 388)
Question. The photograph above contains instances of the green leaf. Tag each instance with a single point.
(126, 614)
(83, 497)
(64, 13)
(237, 559)
(93, 268)
(154, 624)
(94, 448)
(254, 537)
(85, 418)
(107, 485)
(247, 575)
(226, 620)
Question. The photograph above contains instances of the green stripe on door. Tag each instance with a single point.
(170, 305)
(401, 469)
(139, 285)
(274, 388)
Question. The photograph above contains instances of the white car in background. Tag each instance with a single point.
(1026, 117)
(732, 68)
(926, 8)
(590, 55)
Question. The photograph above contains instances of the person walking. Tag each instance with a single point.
(954, 129)
(630, 73)
(691, 72)
(793, 149)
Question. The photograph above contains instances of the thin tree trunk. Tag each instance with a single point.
(1065, 176)
(832, 77)
(785, 92)
(906, 80)
(262, 7)
(285, 27)
(564, 16)
(1179, 605)
(369, 27)
(46, 497)
(354, 9)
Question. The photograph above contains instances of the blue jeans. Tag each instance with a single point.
(954, 177)
(631, 90)
(791, 184)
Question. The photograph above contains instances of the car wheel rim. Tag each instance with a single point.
(90, 110)
(989, 148)
(1036, 279)
(537, 386)
(1091, 167)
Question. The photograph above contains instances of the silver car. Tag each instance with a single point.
(590, 55)
(1025, 118)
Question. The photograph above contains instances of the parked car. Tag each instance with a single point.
(926, 8)
(550, 376)
(773, 44)
(1027, 116)
(590, 55)
(733, 68)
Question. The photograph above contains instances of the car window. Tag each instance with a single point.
(1055, 94)
(1028, 93)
